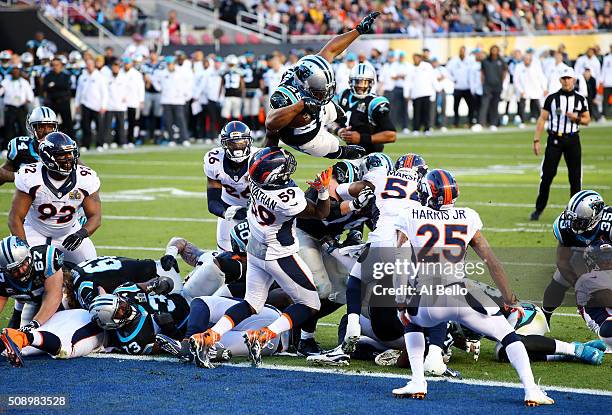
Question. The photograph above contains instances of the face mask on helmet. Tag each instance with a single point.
(361, 87)
(112, 311)
(41, 129)
(59, 159)
(582, 224)
(238, 147)
(21, 272)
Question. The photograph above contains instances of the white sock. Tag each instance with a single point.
(517, 355)
(281, 324)
(37, 339)
(304, 335)
(564, 348)
(222, 326)
(415, 344)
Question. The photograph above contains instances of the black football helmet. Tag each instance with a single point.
(59, 153)
(272, 167)
(236, 141)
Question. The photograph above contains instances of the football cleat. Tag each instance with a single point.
(588, 354)
(388, 357)
(334, 357)
(178, 349)
(351, 152)
(219, 354)
(13, 341)
(411, 390)
(350, 344)
(308, 347)
(255, 341)
(537, 397)
(200, 345)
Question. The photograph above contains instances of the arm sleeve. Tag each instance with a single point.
(216, 206)
(279, 100)
(343, 191)
(382, 118)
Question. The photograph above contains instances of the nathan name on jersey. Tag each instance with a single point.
(233, 177)
(54, 204)
(138, 336)
(272, 221)
(46, 261)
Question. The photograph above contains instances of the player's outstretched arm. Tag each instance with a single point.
(480, 244)
(52, 297)
(339, 43)
(319, 210)
(19, 209)
(180, 246)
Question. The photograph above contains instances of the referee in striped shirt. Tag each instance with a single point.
(563, 113)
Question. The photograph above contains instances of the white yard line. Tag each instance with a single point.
(335, 371)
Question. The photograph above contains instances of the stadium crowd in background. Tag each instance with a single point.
(415, 18)
(140, 96)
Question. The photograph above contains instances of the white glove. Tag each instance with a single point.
(231, 212)
(362, 199)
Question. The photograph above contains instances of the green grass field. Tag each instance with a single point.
(152, 194)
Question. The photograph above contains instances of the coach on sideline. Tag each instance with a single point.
(564, 110)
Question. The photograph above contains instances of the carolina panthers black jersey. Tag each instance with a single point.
(74, 72)
(567, 237)
(252, 75)
(368, 115)
(21, 150)
(108, 273)
(336, 222)
(287, 94)
(138, 336)
(231, 83)
(46, 261)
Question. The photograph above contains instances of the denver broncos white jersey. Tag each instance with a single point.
(439, 235)
(394, 192)
(54, 206)
(235, 182)
(271, 219)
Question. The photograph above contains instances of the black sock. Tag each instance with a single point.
(50, 343)
(553, 298)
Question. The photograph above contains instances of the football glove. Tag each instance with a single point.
(169, 261)
(160, 285)
(235, 213)
(74, 240)
(363, 198)
(321, 183)
(32, 325)
(311, 105)
(473, 346)
(365, 26)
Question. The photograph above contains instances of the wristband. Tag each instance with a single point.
(172, 250)
(365, 139)
(324, 194)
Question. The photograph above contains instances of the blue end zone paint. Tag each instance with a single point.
(107, 386)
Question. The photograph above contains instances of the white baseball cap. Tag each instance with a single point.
(567, 72)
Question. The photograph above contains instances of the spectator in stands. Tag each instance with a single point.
(116, 107)
(121, 13)
(173, 92)
(17, 93)
(54, 10)
(174, 27)
(458, 70)
(137, 47)
(493, 74)
(135, 97)
(109, 56)
(57, 92)
(91, 100)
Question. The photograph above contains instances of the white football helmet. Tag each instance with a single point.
(584, 210)
(14, 252)
(315, 78)
(362, 79)
(231, 60)
(38, 117)
(110, 311)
